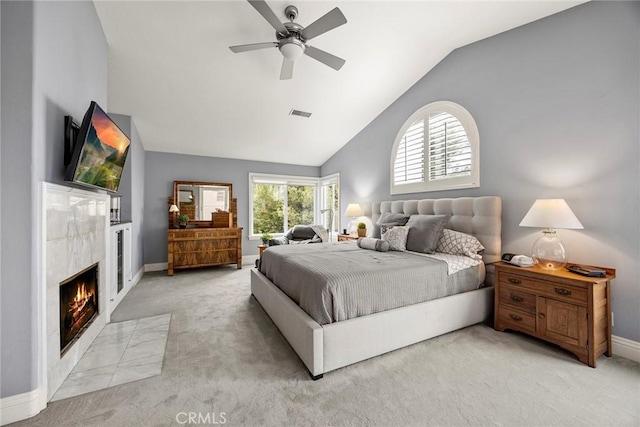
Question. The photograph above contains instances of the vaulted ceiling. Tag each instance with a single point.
(171, 69)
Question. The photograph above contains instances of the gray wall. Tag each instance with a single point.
(557, 106)
(137, 164)
(54, 62)
(132, 189)
(17, 355)
(161, 169)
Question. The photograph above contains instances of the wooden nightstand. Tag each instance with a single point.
(560, 307)
(261, 248)
(346, 237)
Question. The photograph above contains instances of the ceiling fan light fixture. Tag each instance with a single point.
(292, 49)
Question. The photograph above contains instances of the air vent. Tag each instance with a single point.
(299, 113)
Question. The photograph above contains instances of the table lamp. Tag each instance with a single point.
(354, 211)
(172, 210)
(548, 251)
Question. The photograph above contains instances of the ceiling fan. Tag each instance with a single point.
(292, 37)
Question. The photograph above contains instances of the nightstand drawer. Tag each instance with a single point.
(562, 292)
(550, 289)
(513, 318)
(517, 298)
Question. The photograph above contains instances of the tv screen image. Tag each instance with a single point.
(100, 151)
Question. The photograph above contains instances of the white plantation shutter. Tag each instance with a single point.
(436, 149)
(409, 163)
(449, 147)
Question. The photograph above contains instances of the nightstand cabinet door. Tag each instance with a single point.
(562, 322)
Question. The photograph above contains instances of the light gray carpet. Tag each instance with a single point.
(223, 354)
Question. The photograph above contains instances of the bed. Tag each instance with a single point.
(324, 346)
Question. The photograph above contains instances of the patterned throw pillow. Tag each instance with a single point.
(457, 243)
(388, 219)
(397, 237)
(387, 226)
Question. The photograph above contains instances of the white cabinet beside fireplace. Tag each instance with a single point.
(120, 278)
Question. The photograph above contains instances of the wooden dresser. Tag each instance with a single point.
(212, 236)
(201, 247)
(560, 307)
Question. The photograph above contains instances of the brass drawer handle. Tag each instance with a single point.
(516, 298)
(563, 291)
(515, 317)
(514, 281)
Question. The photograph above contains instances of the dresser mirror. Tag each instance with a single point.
(198, 200)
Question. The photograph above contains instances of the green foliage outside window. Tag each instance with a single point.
(300, 209)
(268, 208)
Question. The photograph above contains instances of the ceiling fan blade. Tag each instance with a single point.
(332, 19)
(325, 57)
(287, 69)
(254, 46)
(267, 13)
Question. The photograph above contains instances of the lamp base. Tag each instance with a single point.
(548, 251)
(352, 228)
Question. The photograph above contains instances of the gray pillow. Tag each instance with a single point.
(388, 219)
(373, 244)
(425, 232)
(393, 218)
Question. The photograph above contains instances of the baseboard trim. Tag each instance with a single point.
(136, 278)
(625, 348)
(249, 260)
(21, 406)
(159, 266)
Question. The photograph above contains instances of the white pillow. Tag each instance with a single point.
(397, 237)
(457, 243)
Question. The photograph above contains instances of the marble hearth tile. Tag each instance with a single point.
(140, 336)
(112, 345)
(141, 360)
(120, 338)
(119, 328)
(125, 374)
(92, 380)
(98, 359)
(154, 322)
(136, 350)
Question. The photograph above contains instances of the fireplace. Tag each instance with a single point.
(78, 305)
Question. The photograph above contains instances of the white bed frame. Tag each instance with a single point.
(324, 348)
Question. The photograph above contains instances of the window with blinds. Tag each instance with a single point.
(436, 149)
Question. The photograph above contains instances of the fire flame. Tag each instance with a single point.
(82, 296)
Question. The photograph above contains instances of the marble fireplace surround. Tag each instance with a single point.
(75, 227)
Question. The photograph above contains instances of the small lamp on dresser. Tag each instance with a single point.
(547, 250)
(173, 209)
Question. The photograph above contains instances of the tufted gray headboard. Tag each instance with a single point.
(479, 216)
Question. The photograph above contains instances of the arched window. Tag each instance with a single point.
(436, 149)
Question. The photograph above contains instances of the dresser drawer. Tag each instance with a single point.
(217, 234)
(512, 296)
(556, 290)
(516, 319)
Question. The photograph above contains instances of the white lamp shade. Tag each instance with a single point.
(174, 208)
(551, 213)
(353, 210)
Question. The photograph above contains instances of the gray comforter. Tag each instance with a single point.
(339, 281)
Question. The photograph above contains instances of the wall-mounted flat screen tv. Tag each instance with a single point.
(99, 152)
